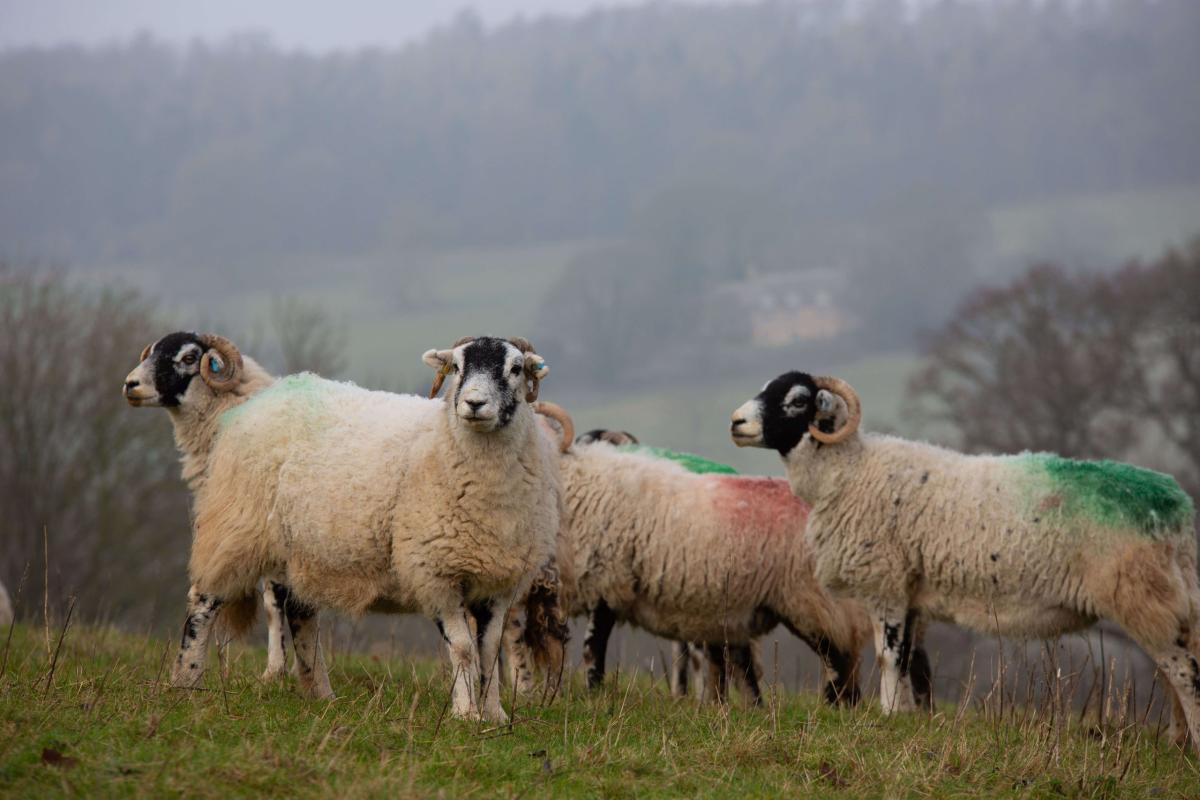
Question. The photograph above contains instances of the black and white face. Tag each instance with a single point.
(166, 373)
(779, 416)
(487, 381)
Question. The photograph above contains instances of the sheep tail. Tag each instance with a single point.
(546, 632)
(237, 616)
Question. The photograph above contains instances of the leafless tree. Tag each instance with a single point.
(77, 466)
(1165, 296)
(1039, 364)
(1083, 364)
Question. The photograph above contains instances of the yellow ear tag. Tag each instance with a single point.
(444, 369)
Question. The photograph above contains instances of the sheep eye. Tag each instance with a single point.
(516, 369)
(190, 358)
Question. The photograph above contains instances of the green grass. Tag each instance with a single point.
(118, 730)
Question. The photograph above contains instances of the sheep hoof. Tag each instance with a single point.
(187, 678)
(496, 715)
(272, 675)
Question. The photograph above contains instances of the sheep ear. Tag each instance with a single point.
(535, 366)
(438, 359)
(826, 402)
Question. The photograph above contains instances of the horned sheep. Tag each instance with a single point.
(1030, 545)
(361, 500)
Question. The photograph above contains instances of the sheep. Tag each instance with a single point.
(6, 609)
(165, 377)
(713, 558)
(692, 663)
(1030, 545)
(362, 500)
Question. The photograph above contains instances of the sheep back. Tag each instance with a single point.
(1031, 544)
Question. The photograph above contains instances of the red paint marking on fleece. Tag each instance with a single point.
(757, 504)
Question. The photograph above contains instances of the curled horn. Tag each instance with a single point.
(440, 377)
(559, 415)
(535, 366)
(223, 375)
(853, 408)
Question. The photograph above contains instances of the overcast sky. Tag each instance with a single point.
(291, 23)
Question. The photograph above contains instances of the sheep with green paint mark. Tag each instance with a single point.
(363, 500)
(1031, 545)
(686, 550)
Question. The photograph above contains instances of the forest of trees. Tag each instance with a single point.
(694, 144)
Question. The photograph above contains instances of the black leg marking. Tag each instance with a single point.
(921, 676)
(719, 669)
(842, 686)
(595, 644)
(743, 660)
(906, 640)
(483, 613)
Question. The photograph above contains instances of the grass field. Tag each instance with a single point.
(94, 717)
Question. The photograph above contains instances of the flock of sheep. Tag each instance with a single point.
(480, 512)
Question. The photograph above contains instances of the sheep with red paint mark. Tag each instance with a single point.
(715, 558)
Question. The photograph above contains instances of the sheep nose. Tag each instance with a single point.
(476, 404)
(737, 423)
(132, 384)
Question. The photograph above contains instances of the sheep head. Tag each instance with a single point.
(615, 438)
(167, 367)
(489, 378)
(794, 405)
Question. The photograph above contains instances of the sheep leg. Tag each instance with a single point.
(698, 668)
(515, 653)
(747, 670)
(489, 627)
(274, 599)
(919, 670)
(193, 646)
(893, 644)
(464, 662)
(680, 662)
(309, 666)
(718, 671)
(1181, 667)
(839, 666)
(595, 642)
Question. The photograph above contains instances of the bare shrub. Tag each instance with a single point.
(76, 465)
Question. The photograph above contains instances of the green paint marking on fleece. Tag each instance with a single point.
(1115, 494)
(305, 386)
(690, 462)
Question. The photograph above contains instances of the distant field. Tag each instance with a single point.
(698, 420)
(1110, 226)
(102, 723)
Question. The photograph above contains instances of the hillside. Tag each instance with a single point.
(102, 723)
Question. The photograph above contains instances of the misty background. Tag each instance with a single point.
(982, 214)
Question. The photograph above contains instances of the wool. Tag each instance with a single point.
(360, 500)
(689, 461)
(703, 557)
(1027, 545)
